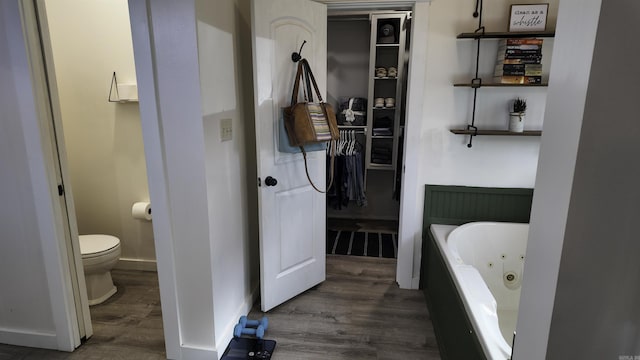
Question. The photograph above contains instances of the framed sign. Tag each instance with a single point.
(528, 17)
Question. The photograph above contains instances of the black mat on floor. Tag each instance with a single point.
(249, 348)
(362, 243)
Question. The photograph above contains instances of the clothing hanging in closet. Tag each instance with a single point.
(348, 183)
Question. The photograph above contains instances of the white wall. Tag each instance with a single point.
(103, 140)
(226, 81)
(193, 71)
(575, 38)
(590, 245)
(493, 161)
(36, 289)
(24, 300)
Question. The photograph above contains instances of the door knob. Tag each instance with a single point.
(269, 181)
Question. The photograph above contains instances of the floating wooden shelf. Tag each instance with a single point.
(497, 132)
(492, 84)
(505, 35)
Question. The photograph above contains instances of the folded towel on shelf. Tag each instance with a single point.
(382, 132)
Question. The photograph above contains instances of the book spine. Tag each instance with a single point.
(518, 79)
(518, 69)
(520, 47)
(527, 60)
(522, 52)
(503, 56)
(522, 42)
(518, 72)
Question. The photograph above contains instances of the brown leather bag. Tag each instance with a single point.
(310, 122)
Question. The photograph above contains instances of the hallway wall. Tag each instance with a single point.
(226, 83)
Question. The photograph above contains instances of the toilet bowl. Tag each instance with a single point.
(100, 253)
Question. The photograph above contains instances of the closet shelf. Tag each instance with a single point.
(375, 166)
(496, 132)
(387, 45)
(505, 35)
(382, 136)
(352, 126)
(385, 78)
(492, 84)
(384, 108)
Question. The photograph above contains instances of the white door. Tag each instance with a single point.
(292, 214)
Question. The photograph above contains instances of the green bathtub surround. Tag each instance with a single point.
(457, 205)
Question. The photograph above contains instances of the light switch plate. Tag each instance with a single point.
(226, 130)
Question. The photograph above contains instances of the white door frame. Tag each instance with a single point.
(49, 84)
(412, 191)
(37, 123)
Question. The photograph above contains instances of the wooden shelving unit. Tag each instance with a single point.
(386, 55)
(477, 83)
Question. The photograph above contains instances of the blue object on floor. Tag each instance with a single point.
(239, 330)
(245, 322)
(249, 349)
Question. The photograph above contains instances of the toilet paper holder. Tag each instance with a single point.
(141, 210)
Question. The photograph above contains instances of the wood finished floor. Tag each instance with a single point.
(127, 326)
(357, 313)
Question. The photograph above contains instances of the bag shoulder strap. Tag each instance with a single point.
(313, 79)
(331, 165)
(296, 85)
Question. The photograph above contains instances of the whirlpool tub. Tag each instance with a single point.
(486, 261)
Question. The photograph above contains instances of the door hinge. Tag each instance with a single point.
(259, 182)
(60, 189)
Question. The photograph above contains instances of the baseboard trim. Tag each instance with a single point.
(137, 264)
(243, 309)
(195, 353)
(43, 340)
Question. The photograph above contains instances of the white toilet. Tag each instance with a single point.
(100, 253)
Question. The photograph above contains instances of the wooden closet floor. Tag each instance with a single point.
(357, 313)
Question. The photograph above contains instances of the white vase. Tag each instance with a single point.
(516, 122)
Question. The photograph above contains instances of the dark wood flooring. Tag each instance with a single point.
(357, 313)
(127, 326)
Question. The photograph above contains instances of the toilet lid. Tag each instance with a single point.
(91, 244)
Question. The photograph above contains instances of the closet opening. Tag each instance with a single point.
(367, 64)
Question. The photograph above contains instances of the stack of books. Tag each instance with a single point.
(519, 62)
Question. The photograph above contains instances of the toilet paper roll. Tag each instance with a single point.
(141, 210)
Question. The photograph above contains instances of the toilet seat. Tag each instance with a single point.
(97, 245)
